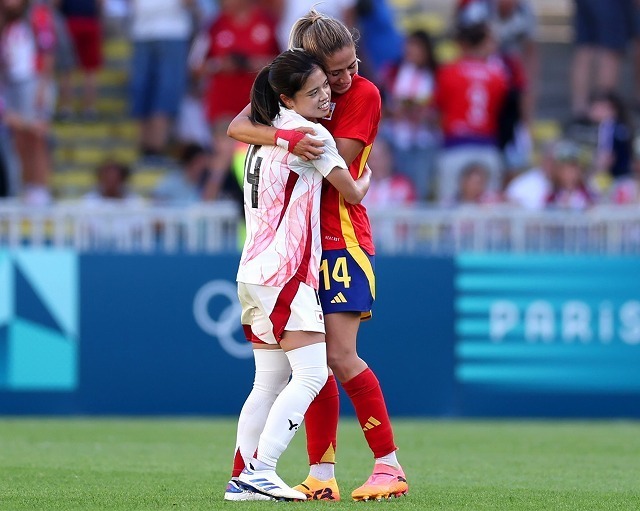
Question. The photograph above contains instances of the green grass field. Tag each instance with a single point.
(123, 464)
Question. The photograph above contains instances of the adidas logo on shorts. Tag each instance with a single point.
(339, 298)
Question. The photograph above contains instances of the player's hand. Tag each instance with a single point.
(298, 143)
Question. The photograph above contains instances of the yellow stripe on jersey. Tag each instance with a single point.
(365, 157)
(363, 261)
(348, 232)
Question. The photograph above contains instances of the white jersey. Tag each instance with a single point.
(282, 209)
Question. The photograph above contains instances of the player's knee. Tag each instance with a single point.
(272, 371)
(272, 382)
(313, 377)
(345, 368)
(340, 360)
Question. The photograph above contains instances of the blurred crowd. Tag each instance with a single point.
(455, 131)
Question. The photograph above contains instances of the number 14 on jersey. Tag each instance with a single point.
(339, 273)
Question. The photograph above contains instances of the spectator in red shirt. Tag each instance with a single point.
(242, 39)
(469, 95)
(83, 18)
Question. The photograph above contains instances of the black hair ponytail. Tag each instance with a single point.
(265, 103)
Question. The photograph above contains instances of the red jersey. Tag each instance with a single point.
(469, 94)
(43, 26)
(356, 115)
(228, 91)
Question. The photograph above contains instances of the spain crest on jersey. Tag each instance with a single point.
(332, 107)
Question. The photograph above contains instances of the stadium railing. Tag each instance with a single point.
(599, 230)
(217, 227)
(117, 227)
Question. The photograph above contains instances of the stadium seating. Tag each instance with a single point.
(81, 145)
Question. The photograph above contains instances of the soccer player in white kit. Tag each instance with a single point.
(278, 276)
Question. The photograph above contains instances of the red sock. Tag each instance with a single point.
(321, 424)
(368, 401)
(238, 464)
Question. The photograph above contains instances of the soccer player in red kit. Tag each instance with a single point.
(347, 279)
(470, 93)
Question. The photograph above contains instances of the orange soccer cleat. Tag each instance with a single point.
(385, 482)
(315, 489)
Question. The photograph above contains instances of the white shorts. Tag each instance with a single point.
(268, 311)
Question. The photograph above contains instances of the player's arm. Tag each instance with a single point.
(338, 174)
(349, 148)
(352, 190)
(295, 141)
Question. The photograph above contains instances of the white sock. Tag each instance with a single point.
(322, 471)
(309, 374)
(390, 459)
(271, 376)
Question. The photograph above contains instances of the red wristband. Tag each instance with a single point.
(288, 139)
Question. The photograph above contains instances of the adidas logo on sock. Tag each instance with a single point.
(339, 298)
(371, 423)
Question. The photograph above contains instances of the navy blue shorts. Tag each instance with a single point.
(158, 77)
(347, 281)
(604, 24)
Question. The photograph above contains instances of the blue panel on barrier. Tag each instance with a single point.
(548, 335)
(487, 335)
(38, 322)
(161, 334)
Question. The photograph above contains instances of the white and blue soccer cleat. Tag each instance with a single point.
(268, 483)
(236, 491)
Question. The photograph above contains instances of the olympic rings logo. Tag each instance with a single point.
(227, 323)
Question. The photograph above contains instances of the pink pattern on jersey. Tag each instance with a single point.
(274, 201)
(282, 210)
(288, 200)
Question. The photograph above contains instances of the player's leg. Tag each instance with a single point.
(307, 356)
(272, 371)
(295, 320)
(321, 428)
(346, 293)
(321, 420)
(363, 388)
